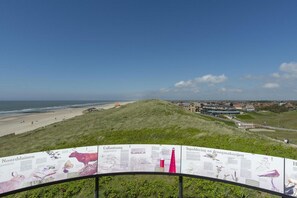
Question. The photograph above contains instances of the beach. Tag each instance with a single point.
(21, 123)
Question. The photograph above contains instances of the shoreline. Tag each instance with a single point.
(21, 123)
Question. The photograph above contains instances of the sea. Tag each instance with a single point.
(23, 107)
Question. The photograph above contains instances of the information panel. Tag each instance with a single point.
(139, 158)
(291, 177)
(37, 168)
(260, 171)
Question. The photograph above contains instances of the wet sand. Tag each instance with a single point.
(27, 122)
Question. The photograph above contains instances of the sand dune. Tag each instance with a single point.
(27, 122)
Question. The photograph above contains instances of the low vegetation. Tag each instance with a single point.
(144, 122)
(275, 108)
(282, 135)
(283, 120)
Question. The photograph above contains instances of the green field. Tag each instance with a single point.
(283, 120)
(220, 119)
(281, 135)
(144, 122)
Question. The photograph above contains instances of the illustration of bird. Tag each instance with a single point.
(45, 172)
(271, 174)
(212, 155)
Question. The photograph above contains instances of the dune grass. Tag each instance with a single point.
(283, 120)
(281, 135)
(144, 122)
(140, 119)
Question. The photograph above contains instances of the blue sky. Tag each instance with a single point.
(148, 49)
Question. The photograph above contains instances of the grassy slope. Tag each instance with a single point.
(285, 120)
(143, 122)
(281, 135)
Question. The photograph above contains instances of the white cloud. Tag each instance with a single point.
(276, 75)
(223, 89)
(211, 79)
(248, 77)
(195, 90)
(252, 77)
(164, 90)
(255, 86)
(289, 67)
(193, 84)
(235, 90)
(182, 83)
(287, 71)
(271, 85)
(230, 90)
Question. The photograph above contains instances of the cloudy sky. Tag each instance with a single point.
(206, 49)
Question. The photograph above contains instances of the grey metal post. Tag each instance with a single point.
(180, 187)
(96, 187)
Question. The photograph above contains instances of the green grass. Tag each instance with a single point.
(221, 119)
(281, 135)
(139, 119)
(244, 117)
(144, 122)
(284, 120)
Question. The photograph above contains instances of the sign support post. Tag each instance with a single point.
(96, 187)
(180, 187)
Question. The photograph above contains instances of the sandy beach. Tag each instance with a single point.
(27, 122)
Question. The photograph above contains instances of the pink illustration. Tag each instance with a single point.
(272, 174)
(162, 163)
(172, 166)
(12, 184)
(89, 169)
(84, 158)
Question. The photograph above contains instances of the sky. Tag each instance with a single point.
(196, 49)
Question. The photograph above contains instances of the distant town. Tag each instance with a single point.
(236, 107)
(228, 110)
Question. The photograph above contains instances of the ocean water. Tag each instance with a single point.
(21, 107)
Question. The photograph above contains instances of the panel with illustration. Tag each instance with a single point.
(113, 159)
(139, 158)
(291, 177)
(254, 170)
(37, 168)
(155, 158)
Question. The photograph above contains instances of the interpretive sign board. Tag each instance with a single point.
(291, 177)
(139, 158)
(259, 171)
(27, 170)
(274, 174)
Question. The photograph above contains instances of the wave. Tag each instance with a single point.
(51, 108)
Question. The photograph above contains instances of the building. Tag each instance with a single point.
(193, 106)
(249, 108)
(219, 109)
(238, 106)
(222, 112)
